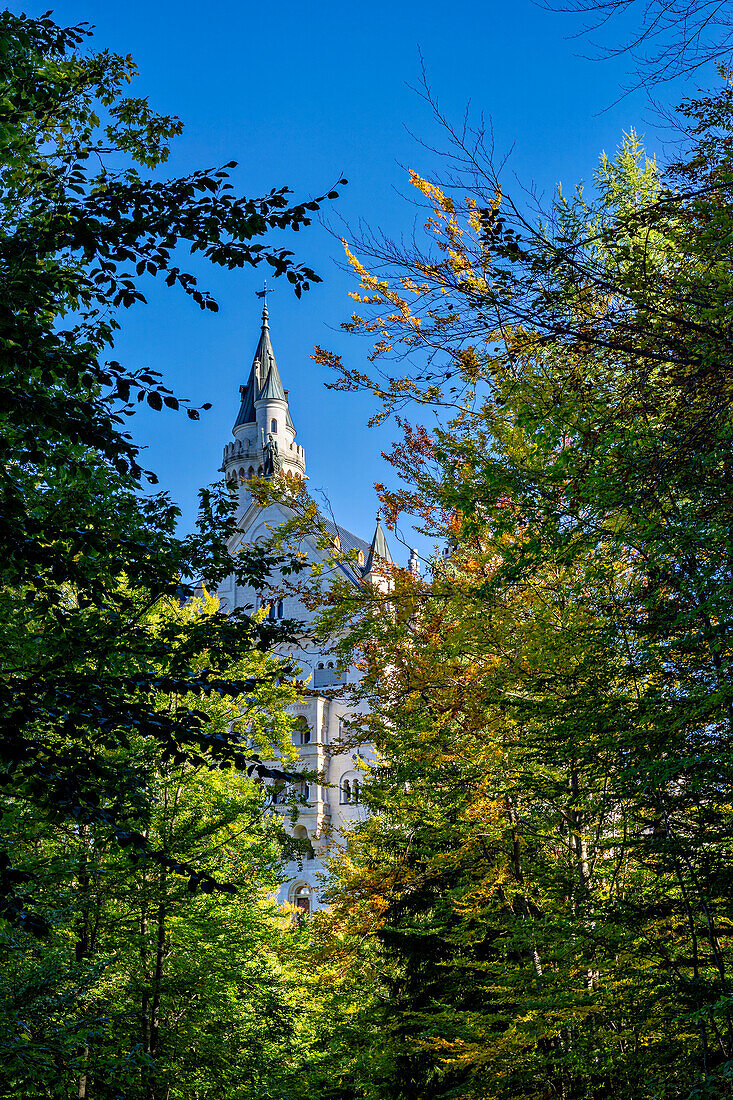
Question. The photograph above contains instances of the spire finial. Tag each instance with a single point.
(263, 294)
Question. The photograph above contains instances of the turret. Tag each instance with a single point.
(379, 558)
(264, 433)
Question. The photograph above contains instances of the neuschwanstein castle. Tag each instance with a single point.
(264, 443)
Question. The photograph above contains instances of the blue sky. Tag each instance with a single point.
(300, 96)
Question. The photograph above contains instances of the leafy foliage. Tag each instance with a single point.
(85, 555)
(143, 988)
(547, 881)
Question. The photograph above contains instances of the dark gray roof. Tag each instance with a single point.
(349, 543)
(378, 549)
(273, 387)
(264, 377)
(246, 413)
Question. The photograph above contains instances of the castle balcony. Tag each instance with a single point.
(326, 676)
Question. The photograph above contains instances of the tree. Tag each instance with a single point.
(85, 553)
(142, 988)
(554, 709)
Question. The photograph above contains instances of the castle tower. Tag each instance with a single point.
(263, 444)
(264, 433)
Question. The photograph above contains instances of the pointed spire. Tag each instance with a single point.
(264, 433)
(270, 383)
(273, 387)
(379, 551)
(264, 377)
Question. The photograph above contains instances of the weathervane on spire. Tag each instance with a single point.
(263, 294)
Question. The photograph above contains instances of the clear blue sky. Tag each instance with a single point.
(299, 95)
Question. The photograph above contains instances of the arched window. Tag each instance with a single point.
(259, 471)
(251, 472)
(301, 899)
(275, 610)
(320, 664)
(355, 791)
(360, 557)
(305, 792)
(273, 427)
(241, 473)
(346, 791)
(301, 731)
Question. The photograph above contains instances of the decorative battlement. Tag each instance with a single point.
(240, 449)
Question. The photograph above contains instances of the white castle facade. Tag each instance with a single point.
(264, 444)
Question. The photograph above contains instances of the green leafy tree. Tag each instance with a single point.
(85, 554)
(142, 987)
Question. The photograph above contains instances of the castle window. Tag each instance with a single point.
(273, 427)
(360, 557)
(302, 900)
(301, 731)
(355, 791)
(345, 791)
(251, 472)
(274, 610)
